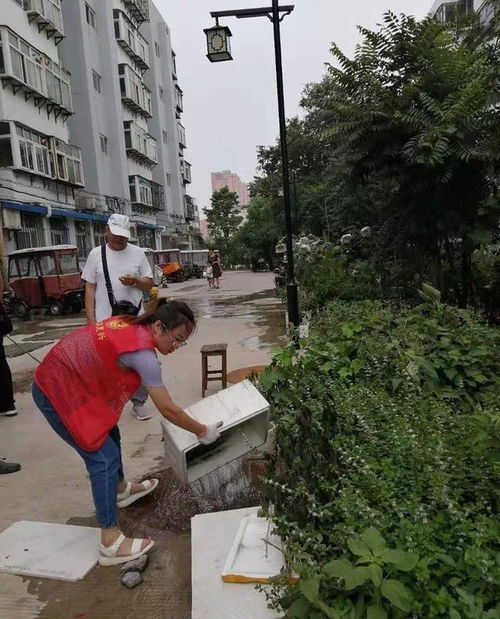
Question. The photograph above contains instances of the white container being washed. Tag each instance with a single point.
(245, 416)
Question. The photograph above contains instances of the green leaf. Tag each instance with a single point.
(299, 609)
(454, 614)
(373, 539)
(329, 611)
(375, 574)
(397, 594)
(376, 612)
(339, 568)
(404, 561)
(358, 547)
(357, 577)
(310, 588)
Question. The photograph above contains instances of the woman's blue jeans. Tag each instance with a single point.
(104, 465)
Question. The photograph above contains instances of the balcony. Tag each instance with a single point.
(145, 196)
(131, 40)
(185, 172)
(140, 146)
(179, 108)
(189, 208)
(182, 135)
(30, 71)
(47, 14)
(134, 93)
(67, 162)
(158, 195)
(138, 9)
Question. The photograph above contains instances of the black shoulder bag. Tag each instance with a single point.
(118, 308)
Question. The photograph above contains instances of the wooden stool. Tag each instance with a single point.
(213, 350)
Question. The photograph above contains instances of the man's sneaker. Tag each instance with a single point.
(10, 413)
(140, 413)
(9, 467)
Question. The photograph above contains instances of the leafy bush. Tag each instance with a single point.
(325, 272)
(385, 473)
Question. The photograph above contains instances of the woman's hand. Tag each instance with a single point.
(211, 433)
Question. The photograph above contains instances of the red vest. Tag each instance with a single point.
(81, 377)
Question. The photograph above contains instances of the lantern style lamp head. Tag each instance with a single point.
(218, 43)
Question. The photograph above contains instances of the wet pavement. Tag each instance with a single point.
(53, 485)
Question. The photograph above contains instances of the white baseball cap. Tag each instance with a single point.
(119, 225)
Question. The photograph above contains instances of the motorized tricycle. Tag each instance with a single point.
(45, 277)
(194, 261)
(169, 261)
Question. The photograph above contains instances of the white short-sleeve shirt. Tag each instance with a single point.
(129, 261)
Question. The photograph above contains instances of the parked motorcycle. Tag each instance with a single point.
(14, 306)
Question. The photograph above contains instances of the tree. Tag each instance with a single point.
(222, 217)
(258, 235)
(403, 137)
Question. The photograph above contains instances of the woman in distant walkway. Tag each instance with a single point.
(214, 260)
(81, 387)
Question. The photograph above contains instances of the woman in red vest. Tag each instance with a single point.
(81, 388)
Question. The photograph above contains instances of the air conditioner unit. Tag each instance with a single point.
(86, 203)
(11, 219)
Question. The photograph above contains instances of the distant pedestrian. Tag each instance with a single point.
(7, 404)
(129, 275)
(209, 274)
(214, 260)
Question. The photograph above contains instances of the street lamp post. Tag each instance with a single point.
(218, 49)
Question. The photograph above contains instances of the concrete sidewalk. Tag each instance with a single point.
(53, 484)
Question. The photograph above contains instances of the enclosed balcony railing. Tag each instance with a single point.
(140, 145)
(182, 135)
(185, 171)
(131, 40)
(138, 10)
(47, 14)
(178, 100)
(28, 70)
(134, 93)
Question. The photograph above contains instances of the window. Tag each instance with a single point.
(160, 92)
(98, 233)
(169, 179)
(96, 78)
(67, 262)
(59, 233)
(104, 143)
(90, 15)
(157, 49)
(6, 158)
(33, 151)
(165, 136)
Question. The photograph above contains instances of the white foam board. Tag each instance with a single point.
(256, 554)
(244, 414)
(212, 536)
(45, 550)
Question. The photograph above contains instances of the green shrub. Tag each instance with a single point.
(387, 443)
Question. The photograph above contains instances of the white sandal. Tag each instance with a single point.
(108, 554)
(125, 498)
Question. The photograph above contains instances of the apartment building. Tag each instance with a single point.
(232, 181)
(108, 112)
(446, 11)
(40, 167)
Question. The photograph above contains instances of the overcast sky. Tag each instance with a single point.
(230, 107)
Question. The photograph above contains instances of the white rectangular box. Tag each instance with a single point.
(244, 413)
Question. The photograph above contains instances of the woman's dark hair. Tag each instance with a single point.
(171, 313)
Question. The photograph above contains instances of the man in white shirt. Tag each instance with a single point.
(129, 273)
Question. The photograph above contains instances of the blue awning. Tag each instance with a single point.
(26, 208)
(55, 212)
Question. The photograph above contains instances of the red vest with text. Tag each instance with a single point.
(81, 377)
